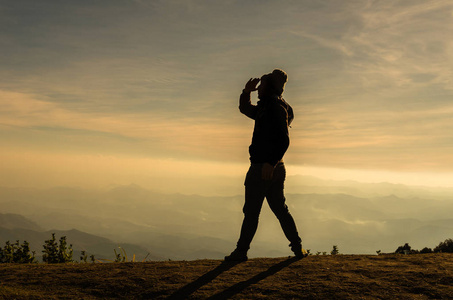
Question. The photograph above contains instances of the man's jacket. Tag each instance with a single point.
(272, 117)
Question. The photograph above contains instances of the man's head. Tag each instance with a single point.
(273, 83)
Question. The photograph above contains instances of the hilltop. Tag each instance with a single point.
(316, 277)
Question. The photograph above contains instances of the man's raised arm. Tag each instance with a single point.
(245, 104)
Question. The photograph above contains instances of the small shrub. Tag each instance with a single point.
(444, 247)
(17, 253)
(57, 253)
(334, 250)
(403, 249)
(6, 254)
(426, 250)
(23, 253)
(120, 257)
(83, 256)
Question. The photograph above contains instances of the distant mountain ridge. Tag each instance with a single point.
(15, 227)
(14, 221)
(358, 218)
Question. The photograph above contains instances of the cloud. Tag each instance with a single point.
(370, 82)
(402, 46)
(161, 135)
(23, 167)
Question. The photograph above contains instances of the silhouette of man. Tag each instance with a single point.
(266, 175)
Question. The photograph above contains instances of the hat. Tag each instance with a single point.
(279, 78)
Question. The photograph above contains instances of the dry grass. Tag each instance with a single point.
(427, 276)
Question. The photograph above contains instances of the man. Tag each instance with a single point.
(266, 175)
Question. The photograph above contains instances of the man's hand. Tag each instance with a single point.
(267, 171)
(250, 86)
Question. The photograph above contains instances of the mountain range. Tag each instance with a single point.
(358, 218)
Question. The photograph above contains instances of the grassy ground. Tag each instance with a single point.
(428, 276)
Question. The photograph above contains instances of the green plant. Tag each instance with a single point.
(83, 256)
(57, 253)
(7, 253)
(334, 250)
(120, 257)
(426, 250)
(406, 249)
(445, 247)
(17, 253)
(24, 254)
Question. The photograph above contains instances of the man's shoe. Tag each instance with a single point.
(237, 255)
(299, 252)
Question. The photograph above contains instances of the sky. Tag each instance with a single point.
(94, 93)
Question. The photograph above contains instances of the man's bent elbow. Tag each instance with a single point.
(243, 109)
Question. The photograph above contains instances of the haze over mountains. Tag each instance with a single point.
(360, 218)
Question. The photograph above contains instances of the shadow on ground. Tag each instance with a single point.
(192, 287)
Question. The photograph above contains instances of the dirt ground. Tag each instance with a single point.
(422, 276)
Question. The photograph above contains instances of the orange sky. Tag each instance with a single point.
(146, 92)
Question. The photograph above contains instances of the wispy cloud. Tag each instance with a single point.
(326, 42)
(370, 82)
(402, 46)
(178, 137)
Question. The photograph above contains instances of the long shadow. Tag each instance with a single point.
(190, 288)
(240, 286)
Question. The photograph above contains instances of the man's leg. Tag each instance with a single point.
(252, 208)
(254, 197)
(276, 199)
